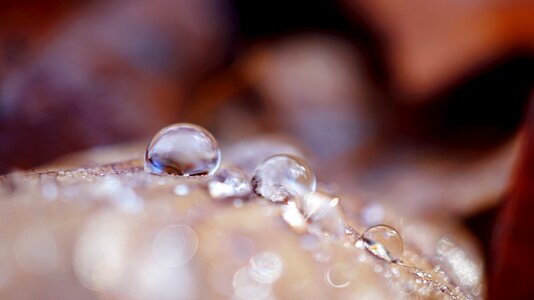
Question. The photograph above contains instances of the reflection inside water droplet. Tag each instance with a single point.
(384, 242)
(183, 149)
(283, 176)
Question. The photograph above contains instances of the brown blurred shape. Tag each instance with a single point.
(432, 44)
(108, 72)
(511, 262)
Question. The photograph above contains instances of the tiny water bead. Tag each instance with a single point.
(183, 149)
(283, 176)
(384, 242)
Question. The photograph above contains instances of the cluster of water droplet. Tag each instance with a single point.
(289, 180)
(283, 179)
(189, 150)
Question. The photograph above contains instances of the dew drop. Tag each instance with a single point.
(384, 242)
(183, 149)
(229, 183)
(283, 176)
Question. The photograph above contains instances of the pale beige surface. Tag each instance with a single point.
(116, 232)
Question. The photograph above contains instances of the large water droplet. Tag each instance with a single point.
(183, 149)
(384, 242)
(282, 176)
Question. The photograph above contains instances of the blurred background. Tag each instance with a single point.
(423, 105)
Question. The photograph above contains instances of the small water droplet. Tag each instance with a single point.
(229, 183)
(183, 149)
(283, 176)
(384, 242)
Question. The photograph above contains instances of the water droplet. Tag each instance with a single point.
(384, 242)
(229, 183)
(265, 267)
(283, 176)
(183, 149)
